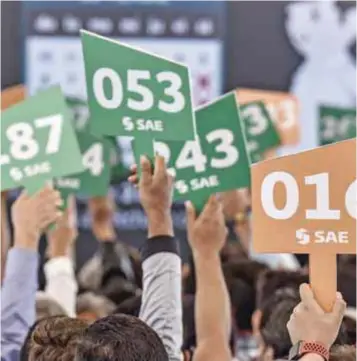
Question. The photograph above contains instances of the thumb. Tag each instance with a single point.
(339, 306)
(23, 195)
(308, 299)
(190, 214)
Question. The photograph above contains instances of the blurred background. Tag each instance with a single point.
(307, 48)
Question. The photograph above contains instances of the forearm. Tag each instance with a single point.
(161, 305)
(18, 297)
(212, 310)
(61, 283)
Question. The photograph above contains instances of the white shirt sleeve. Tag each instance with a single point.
(161, 306)
(61, 283)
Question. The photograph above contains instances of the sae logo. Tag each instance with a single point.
(303, 237)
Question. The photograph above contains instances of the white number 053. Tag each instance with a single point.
(146, 97)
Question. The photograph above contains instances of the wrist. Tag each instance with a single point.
(104, 233)
(26, 240)
(205, 256)
(312, 357)
(159, 224)
(316, 351)
(54, 252)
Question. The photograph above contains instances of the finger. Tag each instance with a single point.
(300, 308)
(210, 208)
(160, 167)
(339, 307)
(53, 198)
(190, 214)
(70, 212)
(133, 168)
(146, 171)
(49, 218)
(307, 298)
(133, 179)
(23, 195)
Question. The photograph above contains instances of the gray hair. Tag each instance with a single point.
(46, 306)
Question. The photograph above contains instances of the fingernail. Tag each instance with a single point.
(339, 296)
(143, 158)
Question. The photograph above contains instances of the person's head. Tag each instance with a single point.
(343, 353)
(53, 339)
(91, 306)
(120, 338)
(275, 314)
(118, 289)
(46, 306)
(245, 269)
(242, 296)
(349, 322)
(271, 280)
(346, 280)
(241, 278)
(131, 306)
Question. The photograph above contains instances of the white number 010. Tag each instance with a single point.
(322, 210)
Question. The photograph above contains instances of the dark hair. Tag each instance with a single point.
(346, 280)
(241, 278)
(53, 339)
(276, 312)
(349, 324)
(343, 353)
(271, 280)
(245, 269)
(131, 306)
(120, 338)
(230, 252)
(118, 289)
(242, 297)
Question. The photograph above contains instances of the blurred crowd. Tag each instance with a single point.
(226, 303)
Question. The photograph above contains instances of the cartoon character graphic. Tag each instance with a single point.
(322, 34)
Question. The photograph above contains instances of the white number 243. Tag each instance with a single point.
(191, 154)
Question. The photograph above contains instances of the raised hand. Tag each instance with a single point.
(102, 211)
(31, 215)
(155, 191)
(206, 233)
(309, 322)
(61, 238)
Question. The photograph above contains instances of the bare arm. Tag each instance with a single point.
(207, 235)
(59, 270)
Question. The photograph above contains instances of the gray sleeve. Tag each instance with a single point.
(161, 307)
